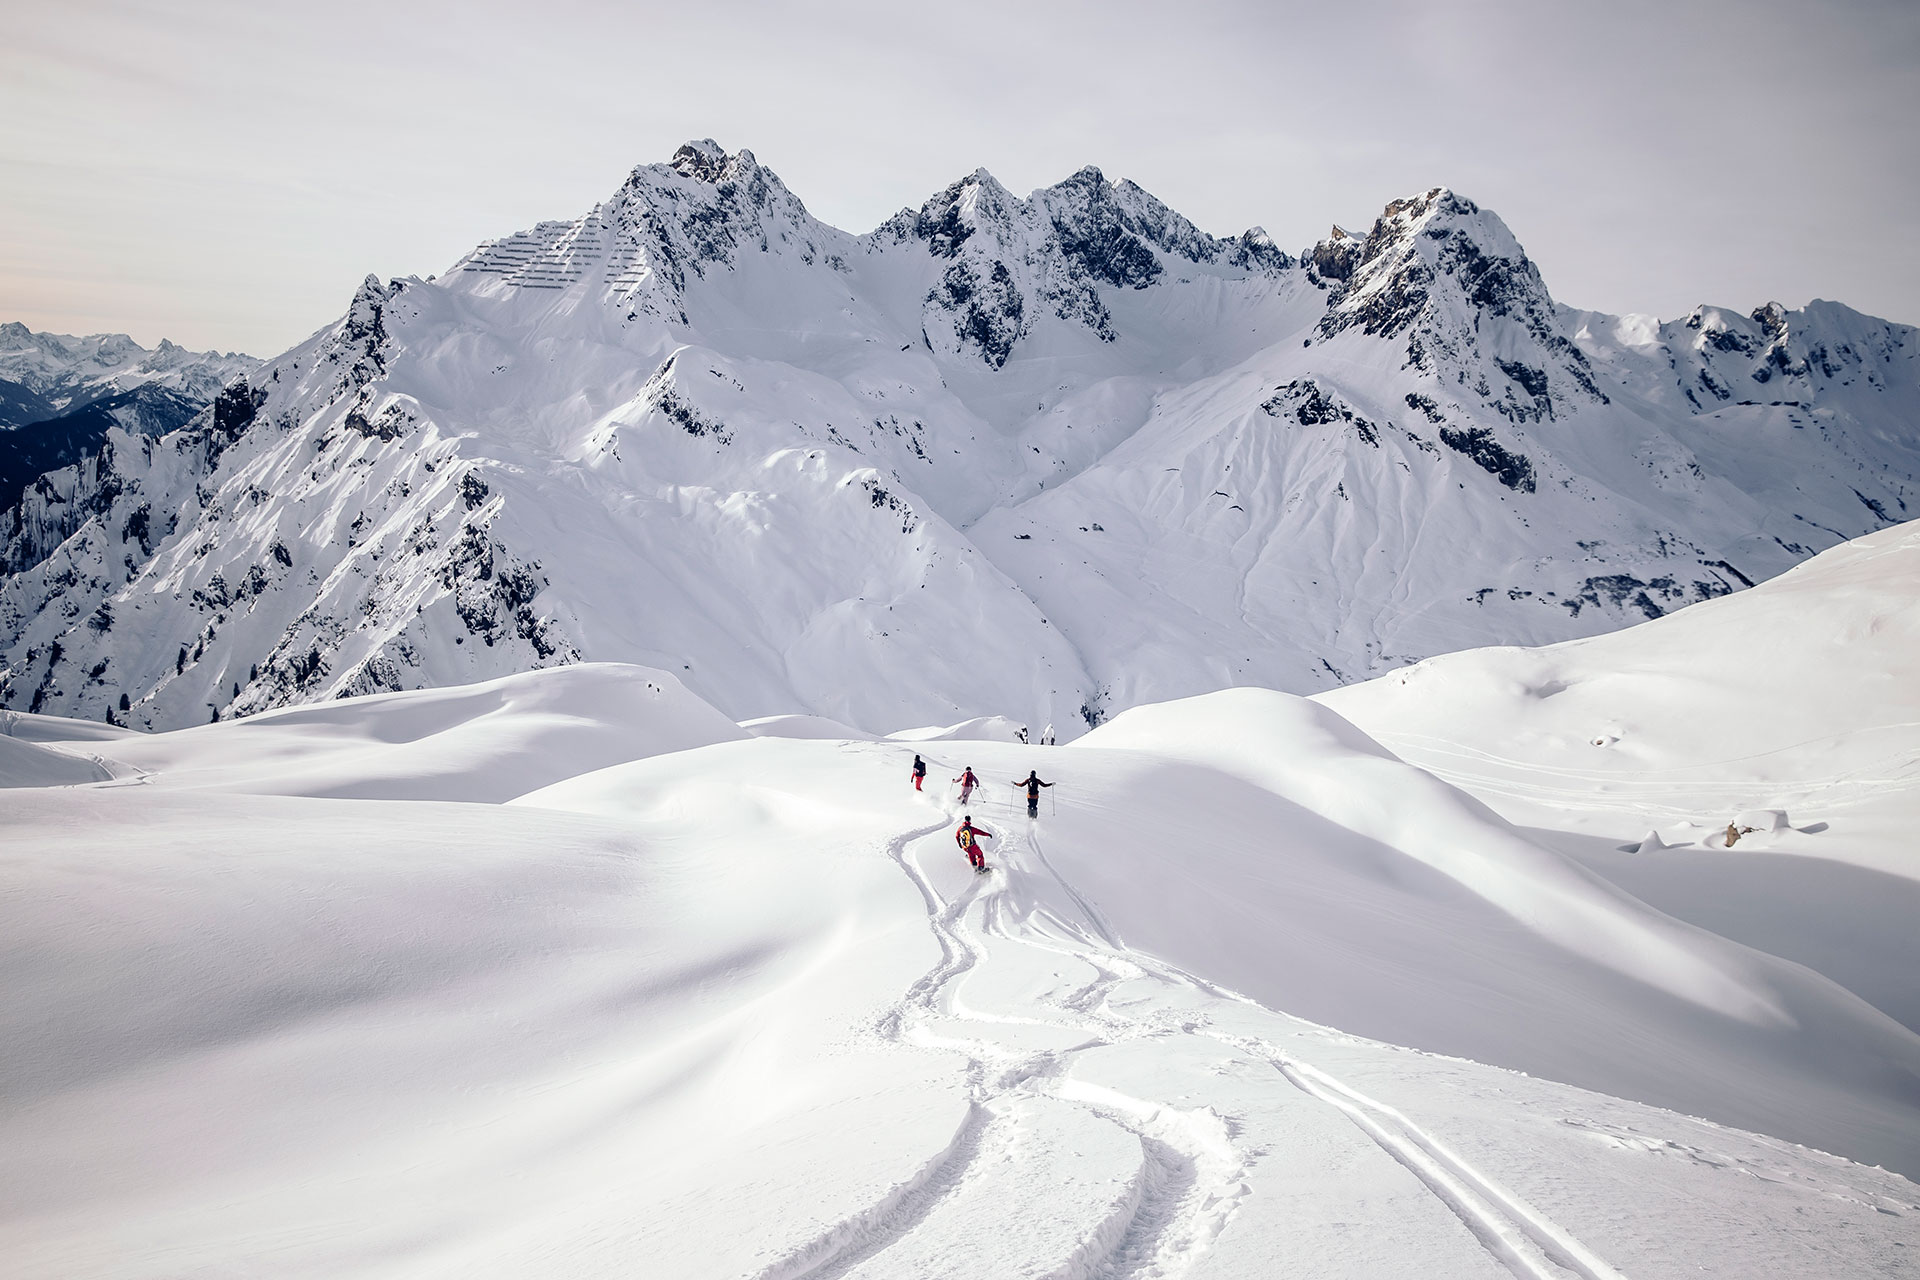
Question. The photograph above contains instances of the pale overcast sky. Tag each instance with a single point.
(224, 172)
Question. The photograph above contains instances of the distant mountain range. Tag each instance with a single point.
(1048, 457)
(59, 394)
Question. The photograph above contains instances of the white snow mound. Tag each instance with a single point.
(28, 764)
(1263, 841)
(978, 729)
(485, 742)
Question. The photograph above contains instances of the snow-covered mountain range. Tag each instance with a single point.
(48, 375)
(59, 396)
(1049, 458)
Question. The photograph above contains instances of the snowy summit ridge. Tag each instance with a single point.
(1048, 457)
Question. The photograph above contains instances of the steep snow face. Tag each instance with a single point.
(1043, 458)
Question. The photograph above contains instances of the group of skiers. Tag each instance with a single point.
(969, 836)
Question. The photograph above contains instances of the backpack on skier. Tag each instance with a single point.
(968, 838)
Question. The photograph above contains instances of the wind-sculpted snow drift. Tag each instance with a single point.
(1045, 458)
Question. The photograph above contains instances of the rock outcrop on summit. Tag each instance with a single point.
(1047, 457)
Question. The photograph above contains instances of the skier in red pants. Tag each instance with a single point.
(968, 837)
(919, 771)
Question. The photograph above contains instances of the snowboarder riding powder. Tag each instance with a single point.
(968, 837)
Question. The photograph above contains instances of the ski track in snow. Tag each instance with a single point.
(1191, 1175)
(1526, 1241)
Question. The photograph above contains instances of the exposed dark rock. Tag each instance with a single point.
(1335, 258)
(988, 314)
(1511, 469)
(940, 223)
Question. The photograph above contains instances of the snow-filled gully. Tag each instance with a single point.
(1055, 1170)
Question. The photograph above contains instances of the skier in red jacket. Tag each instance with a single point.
(967, 783)
(968, 837)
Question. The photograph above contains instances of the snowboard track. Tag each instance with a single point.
(1190, 1177)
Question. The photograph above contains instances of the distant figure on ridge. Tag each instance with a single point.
(919, 771)
(1046, 735)
(967, 783)
(1033, 784)
(968, 837)
(1021, 733)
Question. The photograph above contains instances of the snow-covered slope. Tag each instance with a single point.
(1801, 691)
(1343, 885)
(482, 742)
(740, 1009)
(1790, 712)
(1043, 458)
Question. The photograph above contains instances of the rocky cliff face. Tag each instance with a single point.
(1044, 457)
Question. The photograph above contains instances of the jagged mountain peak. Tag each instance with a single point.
(697, 427)
(1724, 356)
(1429, 239)
(704, 161)
(950, 217)
(733, 176)
(1448, 280)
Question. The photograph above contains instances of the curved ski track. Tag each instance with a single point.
(1191, 1176)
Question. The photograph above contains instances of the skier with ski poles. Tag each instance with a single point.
(919, 771)
(967, 782)
(968, 837)
(1033, 784)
